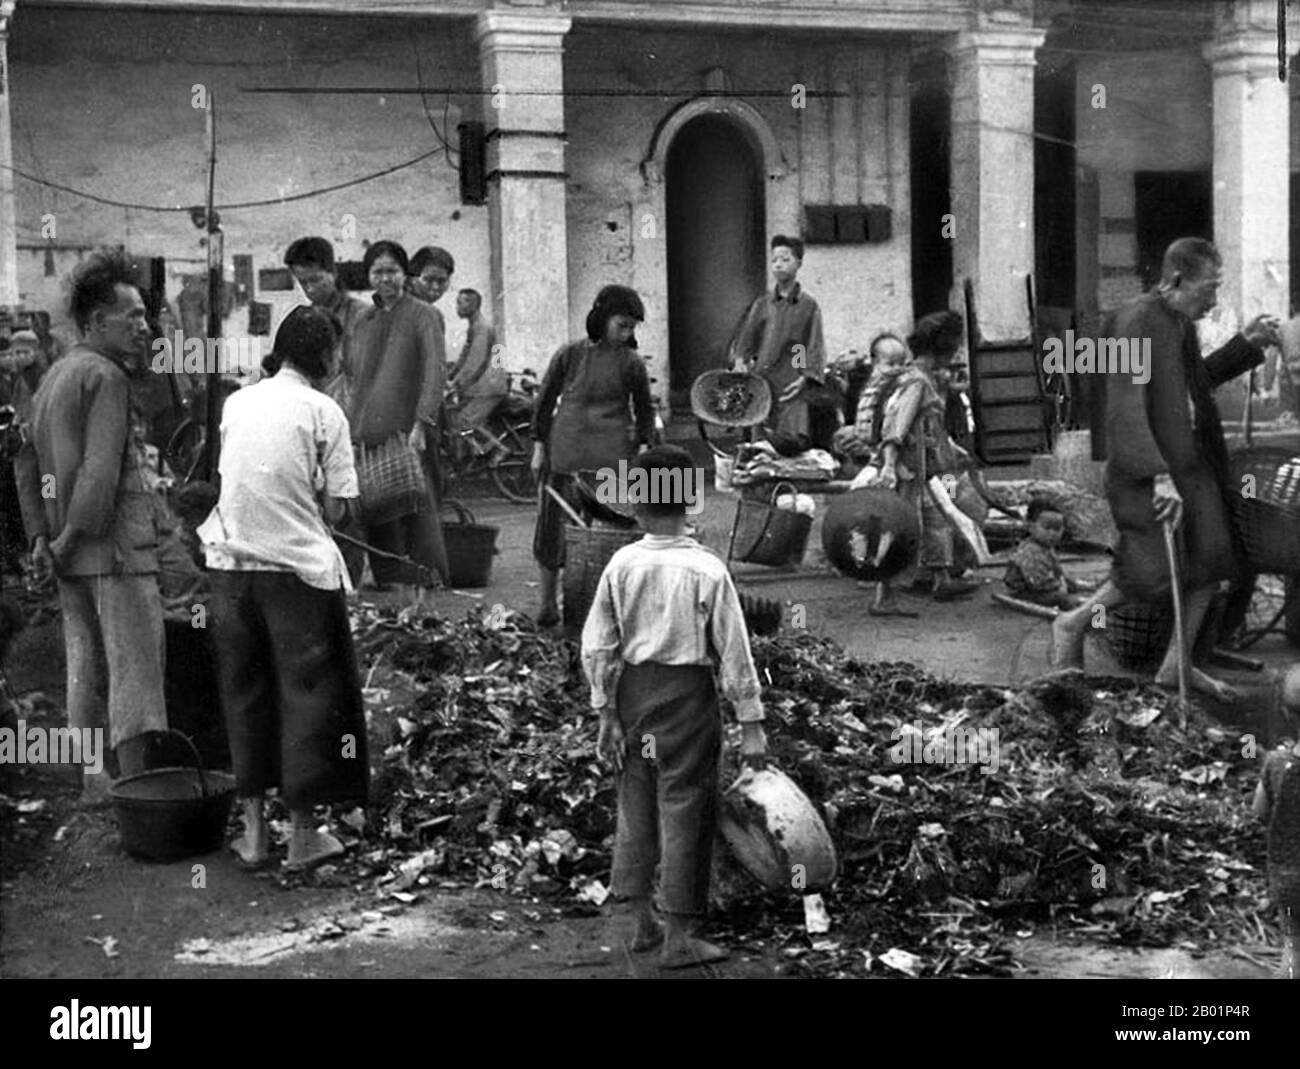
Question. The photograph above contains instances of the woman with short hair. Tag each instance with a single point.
(287, 671)
(582, 422)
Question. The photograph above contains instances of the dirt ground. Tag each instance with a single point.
(72, 904)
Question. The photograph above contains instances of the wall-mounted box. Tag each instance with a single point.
(819, 225)
(847, 224)
(879, 222)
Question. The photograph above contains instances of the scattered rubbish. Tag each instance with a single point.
(108, 944)
(490, 779)
(594, 892)
(901, 961)
(816, 920)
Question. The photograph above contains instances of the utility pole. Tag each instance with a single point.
(212, 416)
(8, 204)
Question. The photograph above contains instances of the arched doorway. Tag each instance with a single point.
(716, 216)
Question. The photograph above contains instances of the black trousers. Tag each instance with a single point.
(290, 688)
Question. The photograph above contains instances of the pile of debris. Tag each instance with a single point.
(962, 814)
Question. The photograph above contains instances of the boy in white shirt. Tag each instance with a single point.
(666, 616)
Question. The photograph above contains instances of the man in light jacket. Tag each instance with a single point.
(91, 518)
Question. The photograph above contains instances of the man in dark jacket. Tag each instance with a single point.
(1167, 461)
(91, 517)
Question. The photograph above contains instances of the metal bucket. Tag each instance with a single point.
(470, 549)
(775, 832)
(167, 814)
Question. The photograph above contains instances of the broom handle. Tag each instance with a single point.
(1171, 551)
(567, 507)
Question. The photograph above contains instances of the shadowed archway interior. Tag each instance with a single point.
(716, 236)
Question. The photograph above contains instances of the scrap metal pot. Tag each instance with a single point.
(773, 828)
(172, 813)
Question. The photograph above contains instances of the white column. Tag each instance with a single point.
(1252, 162)
(521, 55)
(8, 207)
(992, 173)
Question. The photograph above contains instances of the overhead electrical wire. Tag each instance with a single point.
(265, 203)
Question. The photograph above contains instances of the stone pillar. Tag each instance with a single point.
(521, 55)
(8, 206)
(1252, 162)
(992, 173)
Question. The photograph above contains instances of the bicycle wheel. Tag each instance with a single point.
(514, 480)
(513, 475)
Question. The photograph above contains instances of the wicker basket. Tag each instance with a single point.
(1138, 634)
(586, 552)
(765, 534)
(391, 480)
(1264, 500)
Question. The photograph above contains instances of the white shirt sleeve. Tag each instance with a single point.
(731, 640)
(336, 455)
(602, 646)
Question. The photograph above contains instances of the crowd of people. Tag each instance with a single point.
(333, 460)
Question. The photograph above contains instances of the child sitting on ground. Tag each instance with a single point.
(664, 617)
(1277, 802)
(1033, 573)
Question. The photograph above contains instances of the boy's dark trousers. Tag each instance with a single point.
(668, 789)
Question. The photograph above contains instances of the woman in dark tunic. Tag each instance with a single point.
(397, 385)
(604, 415)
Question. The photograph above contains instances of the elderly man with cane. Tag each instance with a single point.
(1167, 465)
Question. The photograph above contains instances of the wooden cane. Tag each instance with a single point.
(1171, 551)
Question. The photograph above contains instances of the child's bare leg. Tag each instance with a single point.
(254, 846)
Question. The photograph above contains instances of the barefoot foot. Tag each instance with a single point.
(96, 788)
(686, 952)
(649, 935)
(1202, 683)
(251, 849)
(308, 848)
